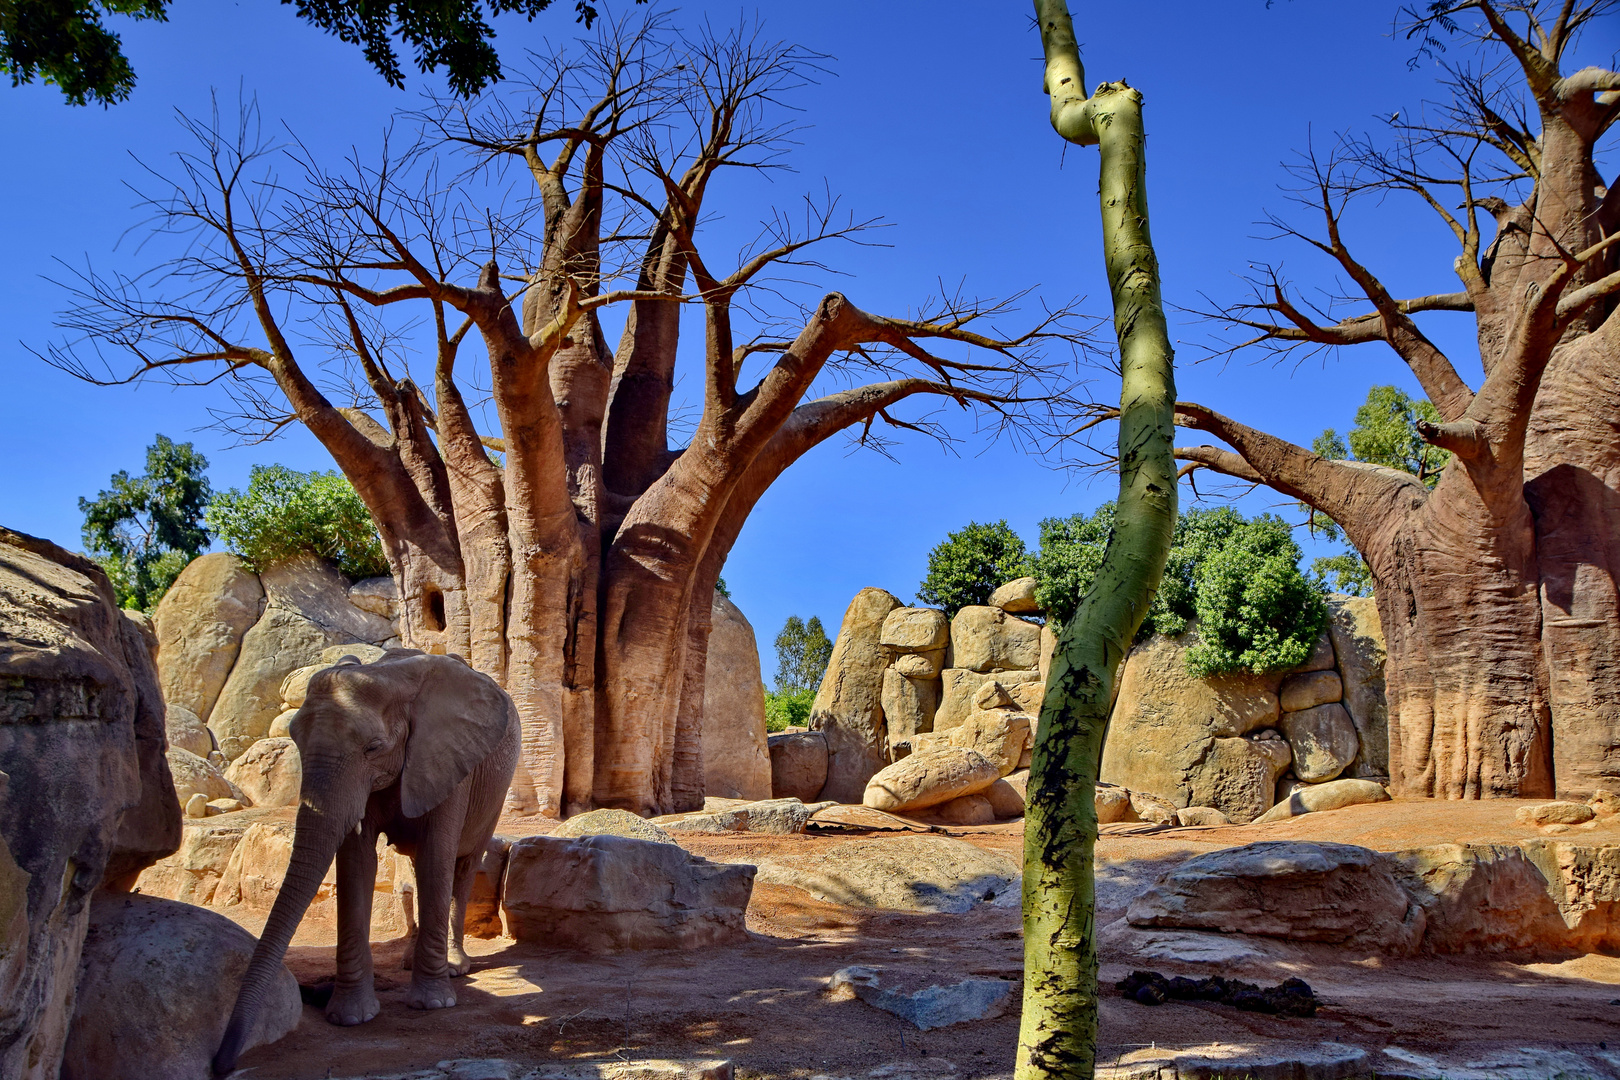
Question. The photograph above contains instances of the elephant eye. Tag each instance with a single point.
(373, 746)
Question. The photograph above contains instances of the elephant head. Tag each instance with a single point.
(411, 722)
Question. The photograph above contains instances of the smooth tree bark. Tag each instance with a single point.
(539, 515)
(1058, 1030)
(1496, 589)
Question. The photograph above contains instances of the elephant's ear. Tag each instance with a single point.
(458, 717)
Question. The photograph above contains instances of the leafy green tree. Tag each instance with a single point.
(789, 708)
(64, 43)
(802, 652)
(145, 529)
(284, 513)
(1346, 573)
(970, 564)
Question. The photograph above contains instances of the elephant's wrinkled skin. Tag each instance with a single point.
(421, 749)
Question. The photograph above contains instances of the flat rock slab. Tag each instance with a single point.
(932, 1006)
(501, 1069)
(1281, 1061)
(905, 873)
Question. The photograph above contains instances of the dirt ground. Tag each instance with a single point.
(763, 1003)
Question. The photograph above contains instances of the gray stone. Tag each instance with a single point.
(931, 1007)
(905, 873)
(798, 764)
(1332, 795)
(915, 630)
(199, 624)
(1249, 1060)
(987, 639)
(848, 708)
(780, 817)
(736, 759)
(1323, 740)
(1017, 597)
(1309, 690)
(1358, 640)
(612, 823)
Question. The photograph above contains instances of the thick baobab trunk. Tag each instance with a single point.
(1058, 1031)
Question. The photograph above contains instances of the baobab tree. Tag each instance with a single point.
(565, 547)
(1497, 588)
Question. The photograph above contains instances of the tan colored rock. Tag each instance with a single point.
(612, 823)
(1358, 642)
(1151, 808)
(923, 665)
(1333, 795)
(1321, 658)
(1017, 597)
(915, 630)
(1048, 647)
(361, 651)
(1018, 781)
(904, 873)
(965, 810)
(312, 587)
(484, 906)
(199, 623)
(848, 708)
(296, 685)
(776, 817)
(196, 806)
(1308, 690)
(1027, 696)
(1006, 801)
(378, 595)
(151, 984)
(197, 776)
(225, 806)
(987, 639)
(959, 686)
(1001, 735)
(192, 873)
(1201, 815)
(1323, 740)
(923, 742)
(1239, 776)
(1605, 803)
(278, 644)
(1584, 881)
(908, 705)
(992, 695)
(281, 726)
(269, 774)
(736, 759)
(931, 778)
(187, 732)
(1287, 889)
(1113, 805)
(607, 893)
(1554, 813)
(1479, 898)
(798, 765)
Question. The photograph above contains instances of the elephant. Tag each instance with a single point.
(420, 748)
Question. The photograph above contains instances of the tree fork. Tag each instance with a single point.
(1058, 1034)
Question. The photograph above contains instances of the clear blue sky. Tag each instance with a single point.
(932, 117)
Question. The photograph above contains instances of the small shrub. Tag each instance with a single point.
(284, 513)
(789, 708)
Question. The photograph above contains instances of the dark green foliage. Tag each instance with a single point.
(789, 708)
(285, 513)
(1238, 578)
(722, 588)
(64, 43)
(802, 652)
(1347, 573)
(145, 529)
(970, 564)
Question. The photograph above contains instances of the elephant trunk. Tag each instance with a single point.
(319, 834)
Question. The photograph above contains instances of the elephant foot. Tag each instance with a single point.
(350, 1007)
(458, 961)
(431, 994)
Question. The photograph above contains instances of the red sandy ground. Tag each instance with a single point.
(763, 1003)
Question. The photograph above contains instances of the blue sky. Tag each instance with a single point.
(931, 116)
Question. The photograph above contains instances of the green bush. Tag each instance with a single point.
(790, 708)
(1239, 579)
(143, 530)
(284, 513)
(970, 564)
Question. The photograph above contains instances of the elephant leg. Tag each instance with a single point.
(435, 874)
(456, 955)
(354, 998)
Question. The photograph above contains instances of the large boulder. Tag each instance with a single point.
(1287, 889)
(269, 774)
(736, 759)
(1324, 741)
(605, 893)
(378, 595)
(88, 795)
(1165, 723)
(1239, 776)
(915, 630)
(155, 981)
(986, 639)
(779, 817)
(1584, 881)
(1480, 898)
(1333, 795)
(929, 778)
(1358, 641)
(908, 705)
(199, 623)
(848, 709)
(1017, 597)
(192, 874)
(611, 822)
(1001, 735)
(1309, 689)
(905, 873)
(194, 775)
(798, 765)
(187, 731)
(960, 688)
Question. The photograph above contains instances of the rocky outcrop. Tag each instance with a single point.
(798, 765)
(905, 873)
(778, 817)
(612, 823)
(187, 732)
(848, 709)
(154, 977)
(1358, 644)
(960, 688)
(194, 775)
(88, 795)
(1323, 739)
(199, 623)
(1002, 735)
(607, 893)
(736, 760)
(929, 779)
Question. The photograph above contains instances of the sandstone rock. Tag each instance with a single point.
(196, 806)
(1321, 658)
(312, 587)
(1333, 795)
(153, 984)
(924, 665)
(278, 644)
(1001, 735)
(224, 806)
(1162, 733)
(798, 765)
(959, 686)
(1048, 647)
(987, 639)
(187, 732)
(931, 1007)
(484, 905)
(848, 708)
(621, 823)
(1308, 690)
(1304, 892)
(1358, 641)
(603, 893)
(269, 773)
(906, 873)
(257, 863)
(1027, 696)
(1584, 881)
(1151, 808)
(199, 623)
(1239, 776)
(1479, 898)
(1006, 801)
(1323, 740)
(378, 595)
(736, 760)
(1113, 805)
(781, 817)
(992, 695)
(1017, 597)
(1605, 803)
(930, 778)
(362, 652)
(1201, 815)
(915, 630)
(296, 685)
(908, 705)
(87, 795)
(1554, 813)
(281, 726)
(197, 776)
(965, 810)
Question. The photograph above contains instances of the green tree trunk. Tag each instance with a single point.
(1058, 1035)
